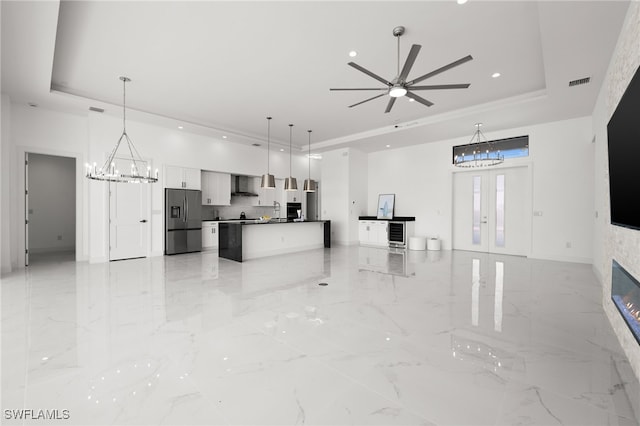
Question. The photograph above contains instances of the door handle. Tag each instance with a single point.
(143, 221)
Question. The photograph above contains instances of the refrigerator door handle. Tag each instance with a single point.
(184, 209)
(186, 213)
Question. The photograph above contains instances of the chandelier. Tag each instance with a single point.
(108, 172)
(483, 153)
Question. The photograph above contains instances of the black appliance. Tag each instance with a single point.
(183, 221)
(292, 211)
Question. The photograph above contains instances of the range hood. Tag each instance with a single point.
(243, 187)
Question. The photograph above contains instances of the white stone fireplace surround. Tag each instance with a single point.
(614, 242)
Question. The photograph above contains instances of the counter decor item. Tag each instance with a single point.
(385, 206)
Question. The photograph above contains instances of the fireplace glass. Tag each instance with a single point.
(625, 293)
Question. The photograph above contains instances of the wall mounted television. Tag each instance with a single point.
(623, 134)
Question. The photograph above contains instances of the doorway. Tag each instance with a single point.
(491, 211)
(50, 208)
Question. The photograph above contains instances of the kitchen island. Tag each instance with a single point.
(253, 239)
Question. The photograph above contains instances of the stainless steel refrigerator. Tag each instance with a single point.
(183, 221)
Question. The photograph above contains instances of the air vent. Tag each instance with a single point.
(96, 109)
(256, 144)
(579, 81)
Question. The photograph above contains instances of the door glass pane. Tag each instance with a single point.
(476, 210)
(475, 292)
(500, 211)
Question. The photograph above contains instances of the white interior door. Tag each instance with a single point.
(26, 209)
(491, 211)
(128, 220)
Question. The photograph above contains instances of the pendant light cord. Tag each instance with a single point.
(124, 103)
(290, 133)
(309, 154)
(268, 141)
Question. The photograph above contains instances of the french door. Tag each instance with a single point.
(491, 211)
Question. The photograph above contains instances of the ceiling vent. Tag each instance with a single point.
(579, 81)
(96, 109)
(255, 144)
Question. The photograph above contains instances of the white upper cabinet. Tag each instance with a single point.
(216, 189)
(181, 177)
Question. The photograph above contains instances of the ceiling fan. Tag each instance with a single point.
(400, 86)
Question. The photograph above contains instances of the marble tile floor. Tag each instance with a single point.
(393, 338)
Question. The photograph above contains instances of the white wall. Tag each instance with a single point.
(613, 242)
(334, 193)
(344, 192)
(52, 203)
(561, 156)
(90, 137)
(358, 186)
(5, 114)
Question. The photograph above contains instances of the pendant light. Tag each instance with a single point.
(290, 183)
(309, 184)
(268, 181)
(484, 153)
(108, 170)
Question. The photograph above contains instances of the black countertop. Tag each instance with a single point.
(395, 218)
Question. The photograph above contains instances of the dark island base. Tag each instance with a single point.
(230, 237)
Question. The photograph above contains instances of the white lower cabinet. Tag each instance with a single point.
(210, 236)
(373, 232)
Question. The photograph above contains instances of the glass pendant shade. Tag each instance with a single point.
(290, 183)
(309, 184)
(268, 181)
(139, 172)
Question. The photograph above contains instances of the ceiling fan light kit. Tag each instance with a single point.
(400, 86)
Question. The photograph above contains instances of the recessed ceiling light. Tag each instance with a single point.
(353, 54)
(495, 75)
(224, 136)
(462, 1)
(388, 146)
(180, 127)
(411, 100)
(281, 149)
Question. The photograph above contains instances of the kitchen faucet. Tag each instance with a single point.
(276, 209)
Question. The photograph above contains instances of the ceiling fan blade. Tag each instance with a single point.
(440, 87)
(392, 100)
(420, 99)
(368, 88)
(369, 73)
(439, 70)
(413, 54)
(367, 100)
